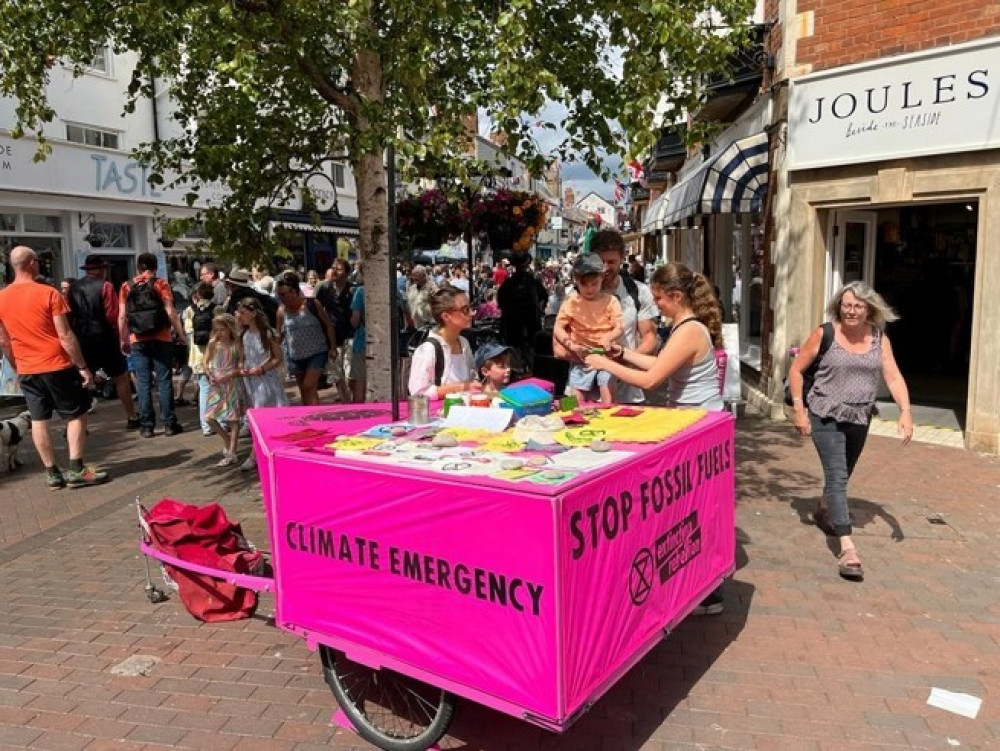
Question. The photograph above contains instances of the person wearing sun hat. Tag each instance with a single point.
(240, 284)
(493, 366)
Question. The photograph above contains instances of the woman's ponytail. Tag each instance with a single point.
(706, 306)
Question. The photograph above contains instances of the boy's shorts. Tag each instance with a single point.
(587, 380)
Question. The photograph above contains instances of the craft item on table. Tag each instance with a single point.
(536, 461)
(301, 435)
(394, 429)
(544, 448)
(572, 418)
(515, 474)
(600, 445)
(527, 399)
(568, 403)
(468, 435)
(579, 436)
(355, 443)
(582, 458)
(511, 464)
(651, 426)
(504, 444)
(626, 412)
(538, 429)
(552, 476)
(444, 440)
(479, 418)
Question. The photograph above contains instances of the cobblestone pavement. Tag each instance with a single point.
(799, 660)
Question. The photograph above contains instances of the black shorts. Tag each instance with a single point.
(61, 391)
(103, 353)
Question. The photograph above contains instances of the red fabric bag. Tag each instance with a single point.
(204, 535)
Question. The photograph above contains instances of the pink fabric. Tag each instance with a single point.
(536, 596)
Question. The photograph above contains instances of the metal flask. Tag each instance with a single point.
(417, 409)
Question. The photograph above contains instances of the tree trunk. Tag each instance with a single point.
(373, 219)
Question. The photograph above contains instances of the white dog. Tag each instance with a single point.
(12, 432)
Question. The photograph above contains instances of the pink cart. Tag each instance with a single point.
(529, 597)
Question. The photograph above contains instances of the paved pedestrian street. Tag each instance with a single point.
(800, 659)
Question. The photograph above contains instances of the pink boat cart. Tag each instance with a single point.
(531, 592)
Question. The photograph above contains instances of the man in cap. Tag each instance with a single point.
(94, 304)
(144, 326)
(36, 338)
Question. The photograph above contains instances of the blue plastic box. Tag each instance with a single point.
(527, 399)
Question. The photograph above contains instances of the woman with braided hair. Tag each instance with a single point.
(687, 360)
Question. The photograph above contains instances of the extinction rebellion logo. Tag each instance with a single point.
(671, 552)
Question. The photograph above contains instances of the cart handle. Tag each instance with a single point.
(255, 583)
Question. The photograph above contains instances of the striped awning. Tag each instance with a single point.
(653, 220)
(328, 229)
(733, 181)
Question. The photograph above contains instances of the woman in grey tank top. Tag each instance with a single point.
(687, 360)
(838, 407)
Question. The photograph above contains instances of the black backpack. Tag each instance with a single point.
(809, 374)
(204, 313)
(632, 287)
(87, 308)
(418, 337)
(145, 310)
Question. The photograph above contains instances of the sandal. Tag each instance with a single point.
(821, 518)
(849, 565)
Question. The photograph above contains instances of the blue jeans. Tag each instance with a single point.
(154, 361)
(203, 401)
(839, 446)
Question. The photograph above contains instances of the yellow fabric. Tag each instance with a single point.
(650, 426)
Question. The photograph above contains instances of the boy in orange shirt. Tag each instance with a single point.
(589, 320)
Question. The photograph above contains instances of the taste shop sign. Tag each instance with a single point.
(937, 102)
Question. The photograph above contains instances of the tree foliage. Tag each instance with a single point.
(267, 91)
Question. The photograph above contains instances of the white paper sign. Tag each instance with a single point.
(493, 419)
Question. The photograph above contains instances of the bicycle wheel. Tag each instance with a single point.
(389, 710)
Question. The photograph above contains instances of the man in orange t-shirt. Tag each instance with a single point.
(36, 337)
(153, 349)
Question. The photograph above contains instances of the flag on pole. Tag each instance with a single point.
(636, 173)
(619, 191)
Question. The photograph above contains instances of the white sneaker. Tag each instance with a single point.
(249, 464)
(227, 460)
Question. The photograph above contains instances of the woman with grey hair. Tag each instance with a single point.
(837, 408)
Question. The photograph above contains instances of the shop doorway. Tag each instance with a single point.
(922, 260)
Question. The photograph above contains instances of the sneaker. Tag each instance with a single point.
(55, 480)
(207, 433)
(146, 432)
(173, 429)
(711, 605)
(249, 464)
(86, 476)
(132, 423)
(227, 460)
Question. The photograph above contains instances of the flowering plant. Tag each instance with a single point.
(428, 218)
(511, 219)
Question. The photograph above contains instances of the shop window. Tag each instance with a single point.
(8, 222)
(48, 249)
(105, 139)
(42, 223)
(113, 234)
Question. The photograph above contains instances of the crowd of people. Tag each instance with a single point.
(242, 337)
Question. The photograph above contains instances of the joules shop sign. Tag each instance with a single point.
(943, 101)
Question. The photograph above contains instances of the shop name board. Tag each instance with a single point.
(127, 179)
(930, 103)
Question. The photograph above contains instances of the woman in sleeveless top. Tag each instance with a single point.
(306, 333)
(687, 360)
(838, 408)
(450, 309)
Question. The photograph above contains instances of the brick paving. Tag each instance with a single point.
(800, 659)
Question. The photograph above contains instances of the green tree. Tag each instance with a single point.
(267, 91)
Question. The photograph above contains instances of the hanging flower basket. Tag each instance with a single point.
(511, 219)
(427, 219)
